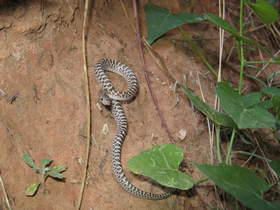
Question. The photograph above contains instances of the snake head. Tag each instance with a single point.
(104, 99)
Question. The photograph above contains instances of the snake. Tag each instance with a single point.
(112, 98)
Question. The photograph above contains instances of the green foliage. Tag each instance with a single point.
(160, 20)
(45, 162)
(246, 110)
(54, 172)
(219, 22)
(264, 10)
(275, 165)
(271, 91)
(275, 100)
(241, 183)
(252, 110)
(32, 189)
(218, 118)
(161, 163)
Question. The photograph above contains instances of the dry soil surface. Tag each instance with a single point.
(43, 105)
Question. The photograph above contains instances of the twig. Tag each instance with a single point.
(146, 73)
(126, 15)
(5, 194)
(266, 64)
(88, 102)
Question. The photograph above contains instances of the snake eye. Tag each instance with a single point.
(105, 100)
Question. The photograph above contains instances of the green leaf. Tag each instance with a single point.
(45, 162)
(271, 91)
(216, 20)
(55, 175)
(32, 189)
(241, 109)
(161, 163)
(265, 11)
(275, 165)
(28, 160)
(160, 20)
(266, 104)
(251, 99)
(241, 183)
(58, 169)
(217, 117)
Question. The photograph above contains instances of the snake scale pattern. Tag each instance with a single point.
(111, 97)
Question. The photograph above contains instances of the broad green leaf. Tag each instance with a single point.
(160, 20)
(28, 160)
(55, 175)
(271, 91)
(58, 169)
(256, 117)
(241, 109)
(161, 163)
(217, 117)
(275, 165)
(32, 189)
(45, 162)
(241, 183)
(251, 99)
(265, 11)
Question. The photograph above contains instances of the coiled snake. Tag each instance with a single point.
(113, 98)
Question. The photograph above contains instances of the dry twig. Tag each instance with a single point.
(5, 194)
(146, 73)
(88, 102)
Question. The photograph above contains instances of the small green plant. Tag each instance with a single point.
(45, 172)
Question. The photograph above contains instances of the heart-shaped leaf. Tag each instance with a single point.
(161, 163)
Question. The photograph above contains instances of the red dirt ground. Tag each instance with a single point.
(41, 63)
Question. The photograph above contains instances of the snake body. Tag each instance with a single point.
(114, 98)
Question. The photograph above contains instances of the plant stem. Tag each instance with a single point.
(202, 180)
(262, 62)
(254, 155)
(43, 180)
(241, 49)
(229, 149)
(218, 143)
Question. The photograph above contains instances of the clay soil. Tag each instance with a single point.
(43, 105)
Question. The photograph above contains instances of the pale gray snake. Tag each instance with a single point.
(113, 98)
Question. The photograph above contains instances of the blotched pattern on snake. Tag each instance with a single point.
(114, 98)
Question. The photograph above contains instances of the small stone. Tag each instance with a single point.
(182, 134)
(105, 129)
(99, 106)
